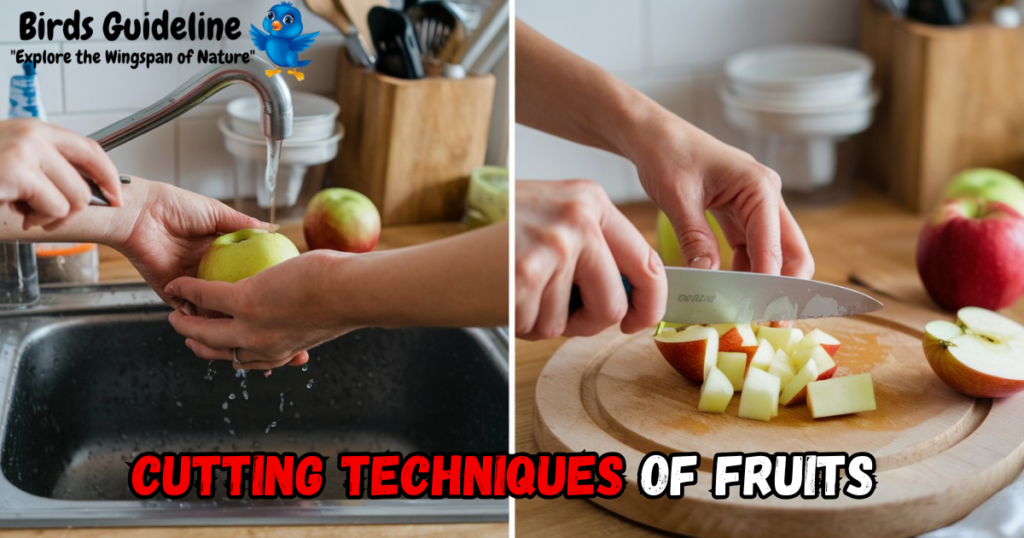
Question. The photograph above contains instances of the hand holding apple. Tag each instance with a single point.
(341, 219)
(971, 253)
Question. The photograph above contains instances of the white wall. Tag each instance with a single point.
(188, 152)
(672, 50)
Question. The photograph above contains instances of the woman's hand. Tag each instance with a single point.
(687, 171)
(568, 232)
(273, 316)
(41, 167)
(172, 228)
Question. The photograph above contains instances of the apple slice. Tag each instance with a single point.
(716, 393)
(760, 398)
(736, 337)
(982, 355)
(841, 396)
(781, 338)
(762, 358)
(826, 366)
(782, 368)
(816, 337)
(734, 365)
(796, 390)
(692, 351)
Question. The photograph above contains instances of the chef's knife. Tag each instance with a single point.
(704, 296)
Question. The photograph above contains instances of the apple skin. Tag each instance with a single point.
(963, 378)
(732, 341)
(686, 357)
(971, 253)
(341, 219)
(988, 184)
(234, 256)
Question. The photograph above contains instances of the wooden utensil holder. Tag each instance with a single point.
(410, 145)
(951, 100)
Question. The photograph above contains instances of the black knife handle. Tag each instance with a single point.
(576, 298)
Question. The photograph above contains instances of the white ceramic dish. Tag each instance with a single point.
(831, 121)
(314, 117)
(800, 75)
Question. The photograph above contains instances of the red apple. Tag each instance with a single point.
(341, 219)
(971, 254)
(692, 351)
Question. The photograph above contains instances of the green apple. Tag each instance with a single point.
(988, 184)
(668, 243)
(341, 219)
(244, 253)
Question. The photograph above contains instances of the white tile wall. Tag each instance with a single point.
(672, 50)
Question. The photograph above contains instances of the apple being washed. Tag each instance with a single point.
(982, 354)
(234, 256)
(341, 219)
(971, 254)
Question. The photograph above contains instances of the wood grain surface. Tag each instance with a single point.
(869, 239)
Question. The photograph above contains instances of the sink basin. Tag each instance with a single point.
(96, 376)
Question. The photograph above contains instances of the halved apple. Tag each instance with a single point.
(716, 393)
(826, 366)
(734, 365)
(692, 351)
(781, 338)
(762, 358)
(736, 337)
(760, 398)
(782, 367)
(981, 355)
(816, 337)
(841, 396)
(796, 390)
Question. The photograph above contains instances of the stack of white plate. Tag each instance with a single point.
(804, 96)
(315, 138)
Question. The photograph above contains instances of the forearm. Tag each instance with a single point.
(461, 281)
(95, 224)
(562, 94)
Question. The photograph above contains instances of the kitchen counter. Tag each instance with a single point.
(115, 268)
(868, 241)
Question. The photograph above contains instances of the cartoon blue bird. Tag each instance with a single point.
(283, 45)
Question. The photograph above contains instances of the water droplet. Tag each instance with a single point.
(227, 420)
(245, 394)
(272, 424)
(178, 403)
(231, 396)
(305, 367)
(310, 384)
(224, 406)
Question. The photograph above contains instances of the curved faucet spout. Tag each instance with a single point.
(274, 95)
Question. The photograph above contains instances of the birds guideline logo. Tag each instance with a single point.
(283, 41)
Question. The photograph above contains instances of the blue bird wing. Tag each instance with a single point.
(258, 38)
(302, 42)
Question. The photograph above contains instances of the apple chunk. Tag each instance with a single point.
(826, 366)
(762, 358)
(796, 390)
(782, 367)
(982, 355)
(716, 393)
(781, 338)
(841, 396)
(692, 351)
(760, 399)
(816, 337)
(736, 337)
(734, 366)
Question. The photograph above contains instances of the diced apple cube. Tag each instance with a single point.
(762, 358)
(781, 338)
(782, 367)
(716, 392)
(760, 399)
(796, 390)
(734, 365)
(826, 366)
(840, 396)
(817, 337)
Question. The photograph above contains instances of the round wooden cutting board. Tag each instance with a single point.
(939, 453)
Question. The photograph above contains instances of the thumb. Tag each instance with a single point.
(216, 296)
(229, 220)
(696, 238)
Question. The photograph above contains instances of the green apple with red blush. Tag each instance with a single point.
(343, 220)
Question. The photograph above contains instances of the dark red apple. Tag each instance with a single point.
(971, 253)
(341, 219)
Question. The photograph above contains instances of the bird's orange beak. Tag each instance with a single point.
(276, 25)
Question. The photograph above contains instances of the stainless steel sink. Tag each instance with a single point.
(96, 375)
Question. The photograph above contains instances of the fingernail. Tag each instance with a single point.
(655, 262)
(700, 262)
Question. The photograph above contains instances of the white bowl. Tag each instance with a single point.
(314, 116)
(831, 121)
(800, 75)
(292, 151)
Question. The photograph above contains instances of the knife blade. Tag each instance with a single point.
(706, 296)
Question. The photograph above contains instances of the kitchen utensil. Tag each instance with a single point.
(355, 44)
(469, 51)
(398, 54)
(492, 55)
(896, 7)
(939, 12)
(96, 196)
(939, 454)
(358, 12)
(435, 23)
